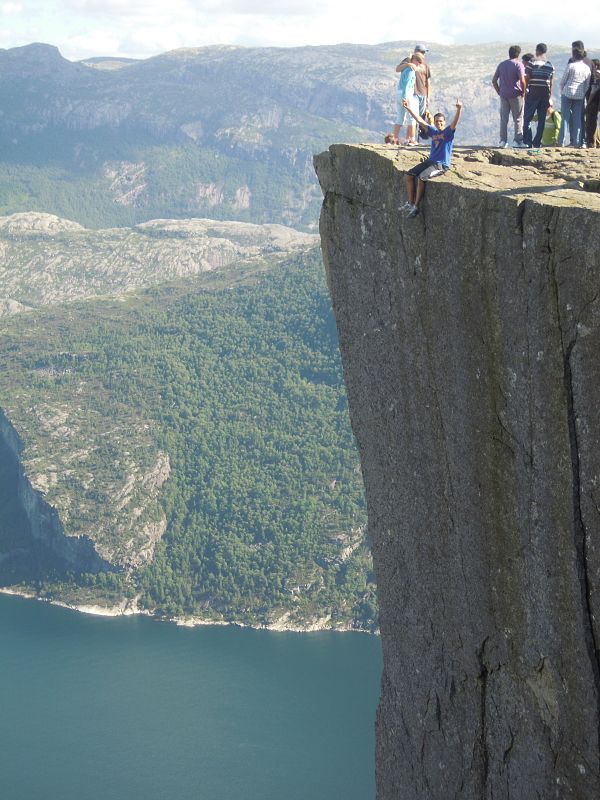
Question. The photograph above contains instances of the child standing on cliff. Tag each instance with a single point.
(442, 141)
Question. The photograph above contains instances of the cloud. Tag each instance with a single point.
(146, 28)
(221, 8)
(141, 28)
(7, 9)
(98, 42)
(469, 22)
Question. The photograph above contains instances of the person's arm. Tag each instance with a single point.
(522, 79)
(459, 108)
(588, 82)
(495, 83)
(427, 87)
(406, 62)
(563, 80)
(419, 119)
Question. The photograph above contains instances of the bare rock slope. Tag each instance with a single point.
(46, 259)
(470, 340)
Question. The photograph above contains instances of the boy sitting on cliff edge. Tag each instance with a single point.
(442, 141)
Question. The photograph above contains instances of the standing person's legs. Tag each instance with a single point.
(541, 106)
(409, 120)
(516, 108)
(576, 117)
(564, 119)
(504, 112)
(422, 108)
(400, 110)
(582, 122)
(529, 112)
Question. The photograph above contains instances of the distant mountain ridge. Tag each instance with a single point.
(223, 132)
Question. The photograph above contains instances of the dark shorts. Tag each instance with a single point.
(427, 170)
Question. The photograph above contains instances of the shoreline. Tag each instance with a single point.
(128, 608)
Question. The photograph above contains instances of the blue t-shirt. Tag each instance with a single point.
(441, 145)
(406, 84)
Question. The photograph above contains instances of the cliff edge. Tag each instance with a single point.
(470, 339)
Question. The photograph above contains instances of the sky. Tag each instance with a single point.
(142, 28)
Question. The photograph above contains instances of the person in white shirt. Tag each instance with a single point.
(573, 86)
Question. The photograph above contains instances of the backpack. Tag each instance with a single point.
(423, 132)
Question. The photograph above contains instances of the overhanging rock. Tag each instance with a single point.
(470, 340)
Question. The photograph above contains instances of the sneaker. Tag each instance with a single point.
(520, 145)
(406, 207)
(502, 144)
(414, 212)
(584, 146)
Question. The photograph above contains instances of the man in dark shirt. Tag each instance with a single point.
(589, 113)
(593, 107)
(509, 84)
(539, 75)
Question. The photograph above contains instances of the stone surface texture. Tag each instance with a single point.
(470, 340)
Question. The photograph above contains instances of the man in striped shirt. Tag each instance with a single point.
(539, 75)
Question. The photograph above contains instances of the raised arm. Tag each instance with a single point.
(459, 108)
(419, 119)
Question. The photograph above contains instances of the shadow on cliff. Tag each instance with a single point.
(23, 558)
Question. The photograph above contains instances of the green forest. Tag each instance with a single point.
(240, 378)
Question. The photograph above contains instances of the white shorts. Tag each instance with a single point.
(431, 172)
(402, 115)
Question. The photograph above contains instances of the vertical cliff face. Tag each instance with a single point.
(470, 339)
(40, 525)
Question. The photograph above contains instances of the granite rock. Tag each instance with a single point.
(470, 340)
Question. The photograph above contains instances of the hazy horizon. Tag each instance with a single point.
(142, 28)
(432, 46)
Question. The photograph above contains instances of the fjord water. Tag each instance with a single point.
(98, 708)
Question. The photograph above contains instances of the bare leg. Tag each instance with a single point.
(410, 133)
(410, 188)
(396, 132)
(420, 192)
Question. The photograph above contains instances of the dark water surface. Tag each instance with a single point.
(98, 708)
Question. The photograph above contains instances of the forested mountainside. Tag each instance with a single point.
(195, 437)
(219, 132)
